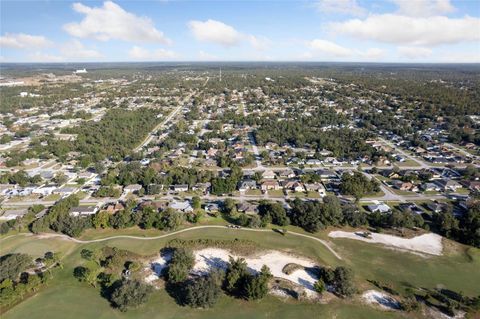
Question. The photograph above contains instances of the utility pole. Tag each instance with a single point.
(220, 74)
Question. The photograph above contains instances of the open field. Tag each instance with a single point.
(455, 270)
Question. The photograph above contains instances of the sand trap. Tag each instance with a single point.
(209, 258)
(381, 299)
(428, 243)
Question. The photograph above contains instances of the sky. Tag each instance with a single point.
(249, 30)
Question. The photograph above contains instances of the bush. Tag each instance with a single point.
(203, 291)
(344, 285)
(130, 294)
(180, 265)
(319, 286)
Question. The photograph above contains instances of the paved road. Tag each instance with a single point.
(79, 241)
(172, 114)
(258, 160)
(462, 151)
(402, 152)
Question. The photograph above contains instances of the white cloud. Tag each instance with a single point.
(324, 49)
(44, 57)
(205, 56)
(215, 32)
(392, 28)
(329, 48)
(24, 41)
(414, 52)
(424, 8)
(139, 53)
(76, 50)
(112, 22)
(349, 7)
(372, 54)
(259, 43)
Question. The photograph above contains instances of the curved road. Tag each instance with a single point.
(79, 241)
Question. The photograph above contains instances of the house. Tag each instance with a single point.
(316, 187)
(430, 187)
(404, 207)
(269, 185)
(314, 161)
(247, 185)
(436, 207)
(132, 188)
(268, 174)
(448, 185)
(204, 188)
(447, 173)
(179, 188)
(44, 190)
(247, 208)
(327, 174)
(81, 211)
(390, 173)
(404, 186)
(379, 207)
(65, 191)
(294, 186)
(211, 207)
(287, 173)
(473, 186)
(112, 208)
(11, 214)
(183, 206)
(157, 205)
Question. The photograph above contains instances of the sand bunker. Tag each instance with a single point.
(210, 258)
(381, 299)
(427, 243)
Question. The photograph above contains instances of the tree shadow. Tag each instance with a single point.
(177, 291)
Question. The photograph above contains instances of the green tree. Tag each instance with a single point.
(11, 265)
(204, 291)
(180, 265)
(196, 202)
(130, 294)
(101, 220)
(344, 284)
(235, 275)
(256, 287)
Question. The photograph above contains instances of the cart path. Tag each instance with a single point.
(79, 241)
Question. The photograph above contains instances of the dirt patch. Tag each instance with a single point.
(209, 258)
(380, 299)
(427, 243)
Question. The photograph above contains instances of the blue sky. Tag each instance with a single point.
(321, 30)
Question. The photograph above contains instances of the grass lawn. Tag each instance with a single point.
(276, 193)
(52, 197)
(400, 192)
(17, 199)
(297, 194)
(73, 300)
(407, 162)
(253, 192)
(462, 191)
(64, 297)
